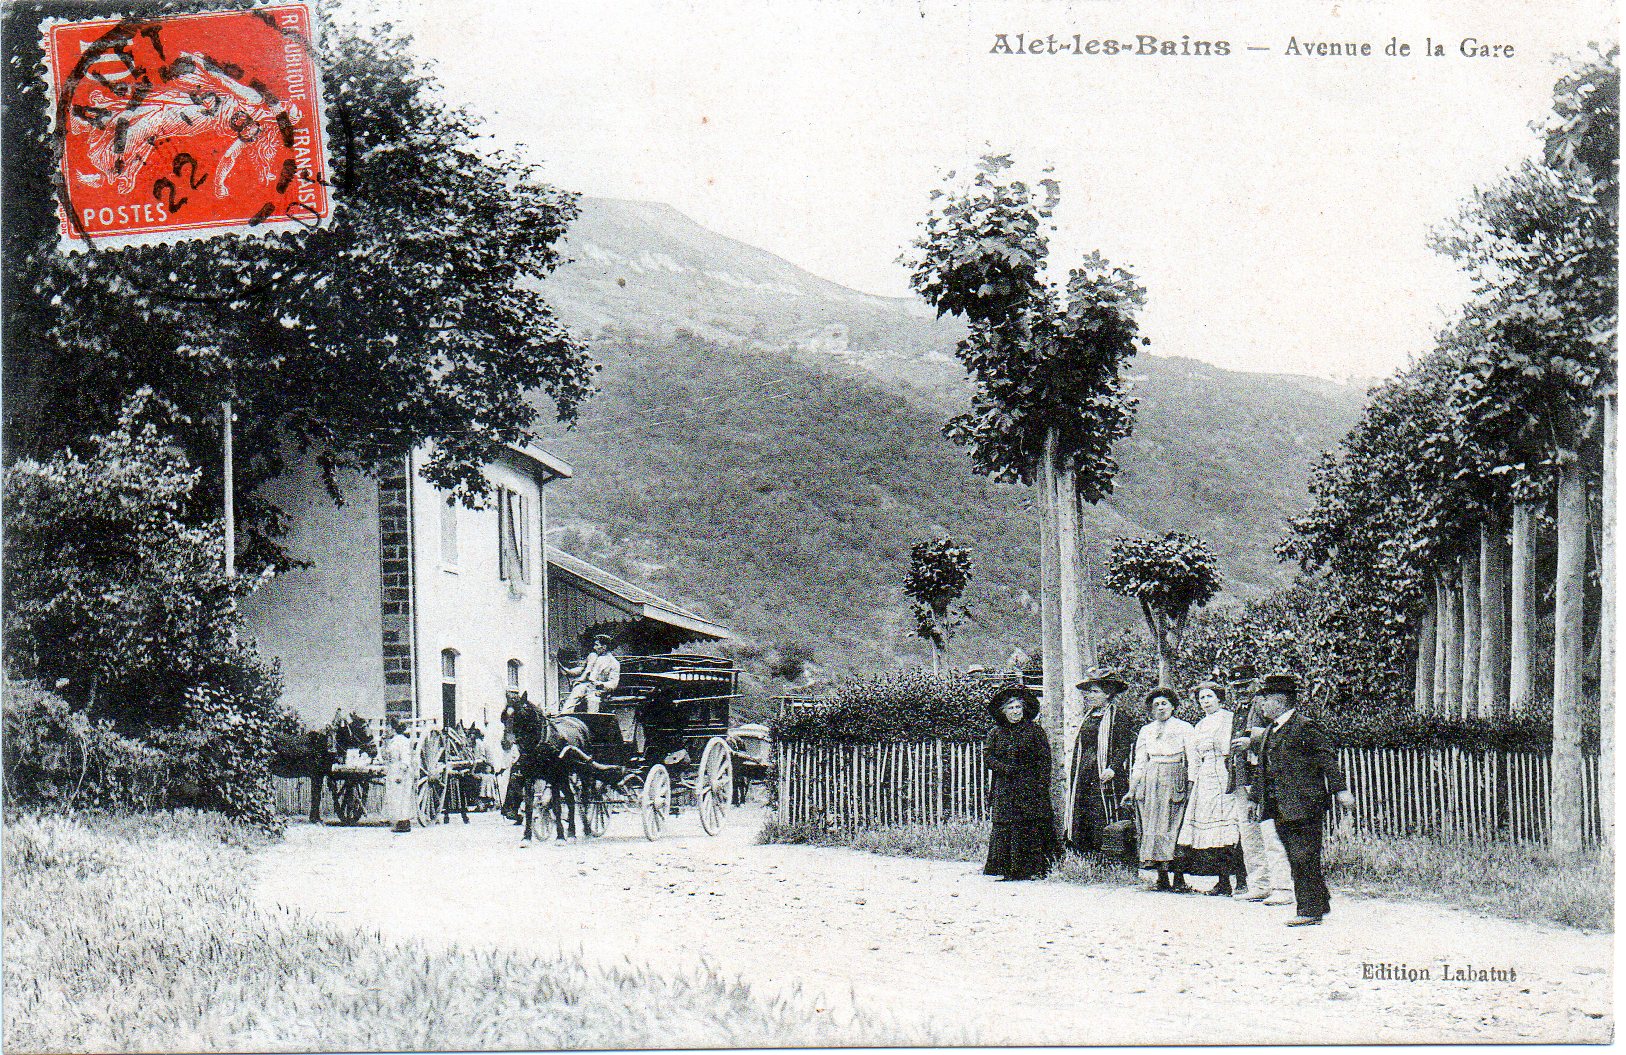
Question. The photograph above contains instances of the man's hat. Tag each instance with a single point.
(1279, 684)
(1106, 678)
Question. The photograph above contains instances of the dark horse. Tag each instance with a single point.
(545, 757)
(314, 752)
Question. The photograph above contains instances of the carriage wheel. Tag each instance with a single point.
(352, 802)
(656, 802)
(595, 811)
(714, 784)
(428, 799)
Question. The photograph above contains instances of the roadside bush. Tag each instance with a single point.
(57, 759)
(894, 706)
(223, 749)
(111, 592)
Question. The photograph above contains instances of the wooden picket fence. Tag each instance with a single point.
(1444, 793)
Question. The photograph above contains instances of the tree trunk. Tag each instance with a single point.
(1522, 609)
(936, 663)
(1453, 649)
(1423, 694)
(1606, 637)
(1053, 713)
(1568, 654)
(1470, 634)
(1078, 650)
(1442, 641)
(1165, 659)
(1492, 619)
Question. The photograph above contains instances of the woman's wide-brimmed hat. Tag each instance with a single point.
(1219, 690)
(1030, 702)
(1106, 678)
(1161, 693)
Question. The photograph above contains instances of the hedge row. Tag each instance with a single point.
(917, 705)
(218, 757)
(58, 759)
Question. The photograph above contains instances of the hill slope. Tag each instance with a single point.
(766, 446)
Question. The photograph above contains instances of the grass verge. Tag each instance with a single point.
(138, 933)
(1515, 882)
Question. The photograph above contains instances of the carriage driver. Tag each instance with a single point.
(599, 673)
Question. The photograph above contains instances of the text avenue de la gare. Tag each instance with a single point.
(1296, 46)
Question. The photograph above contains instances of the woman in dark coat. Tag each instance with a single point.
(1023, 842)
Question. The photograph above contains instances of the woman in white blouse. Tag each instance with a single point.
(1158, 783)
(1209, 841)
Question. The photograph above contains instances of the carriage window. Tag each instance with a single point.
(448, 533)
(514, 668)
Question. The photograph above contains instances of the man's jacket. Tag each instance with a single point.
(1298, 772)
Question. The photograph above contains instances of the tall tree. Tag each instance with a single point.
(414, 317)
(109, 591)
(1169, 577)
(1048, 401)
(1493, 619)
(1423, 671)
(1541, 246)
(1522, 602)
(1469, 578)
(939, 569)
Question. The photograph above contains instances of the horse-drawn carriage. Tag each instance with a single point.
(659, 745)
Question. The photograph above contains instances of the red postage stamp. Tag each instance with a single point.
(187, 126)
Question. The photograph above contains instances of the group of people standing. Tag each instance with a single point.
(1239, 796)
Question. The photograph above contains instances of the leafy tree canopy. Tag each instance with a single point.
(939, 569)
(108, 586)
(1171, 575)
(1040, 356)
(415, 316)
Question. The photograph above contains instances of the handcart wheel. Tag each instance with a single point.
(352, 802)
(656, 803)
(428, 800)
(714, 784)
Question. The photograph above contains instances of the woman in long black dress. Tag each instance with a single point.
(1023, 842)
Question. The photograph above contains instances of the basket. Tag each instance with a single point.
(1117, 836)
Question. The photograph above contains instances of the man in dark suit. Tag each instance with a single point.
(1299, 776)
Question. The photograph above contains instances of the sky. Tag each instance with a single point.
(1277, 207)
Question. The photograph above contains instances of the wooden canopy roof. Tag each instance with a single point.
(585, 599)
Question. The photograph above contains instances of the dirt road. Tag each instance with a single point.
(942, 945)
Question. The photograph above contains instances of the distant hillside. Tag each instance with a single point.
(767, 445)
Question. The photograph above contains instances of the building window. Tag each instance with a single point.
(448, 533)
(514, 669)
(512, 565)
(448, 688)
